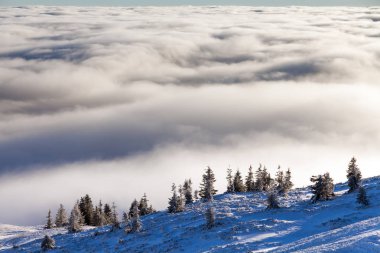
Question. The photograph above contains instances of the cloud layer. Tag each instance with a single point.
(159, 93)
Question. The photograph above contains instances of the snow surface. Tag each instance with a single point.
(243, 225)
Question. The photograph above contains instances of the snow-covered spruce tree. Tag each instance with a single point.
(136, 224)
(107, 213)
(115, 219)
(98, 217)
(259, 184)
(173, 201)
(134, 204)
(125, 218)
(288, 182)
(354, 175)
(87, 209)
(249, 181)
(207, 189)
(238, 182)
(75, 219)
(49, 222)
(61, 217)
(362, 198)
(272, 200)
(181, 200)
(47, 243)
(188, 191)
(230, 181)
(323, 188)
(280, 181)
(210, 217)
(143, 205)
(267, 180)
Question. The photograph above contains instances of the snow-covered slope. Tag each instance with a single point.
(243, 225)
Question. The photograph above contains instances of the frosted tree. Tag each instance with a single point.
(272, 201)
(210, 217)
(134, 204)
(49, 222)
(180, 200)
(75, 219)
(238, 182)
(115, 219)
(207, 189)
(288, 184)
(230, 181)
(173, 201)
(362, 198)
(107, 213)
(99, 219)
(125, 218)
(188, 191)
(136, 224)
(61, 217)
(47, 243)
(354, 175)
(143, 205)
(323, 188)
(259, 184)
(280, 181)
(87, 209)
(249, 181)
(267, 180)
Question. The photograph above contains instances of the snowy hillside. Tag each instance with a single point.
(243, 225)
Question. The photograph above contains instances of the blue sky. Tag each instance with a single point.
(194, 2)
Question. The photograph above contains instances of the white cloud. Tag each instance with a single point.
(114, 94)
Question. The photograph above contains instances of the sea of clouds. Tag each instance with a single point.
(116, 102)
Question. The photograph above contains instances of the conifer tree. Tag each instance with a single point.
(75, 219)
(87, 209)
(267, 180)
(272, 201)
(230, 181)
(323, 188)
(47, 243)
(135, 220)
(280, 181)
(173, 201)
(238, 182)
(181, 200)
(107, 214)
(259, 184)
(288, 182)
(188, 191)
(143, 206)
(132, 208)
(125, 218)
(249, 181)
(61, 217)
(207, 190)
(362, 198)
(210, 217)
(354, 175)
(98, 217)
(49, 222)
(115, 219)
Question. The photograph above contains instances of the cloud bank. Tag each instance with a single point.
(92, 99)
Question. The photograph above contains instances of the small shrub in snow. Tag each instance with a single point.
(210, 217)
(47, 243)
(272, 201)
(362, 198)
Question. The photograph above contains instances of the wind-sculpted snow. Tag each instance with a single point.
(120, 95)
(243, 224)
